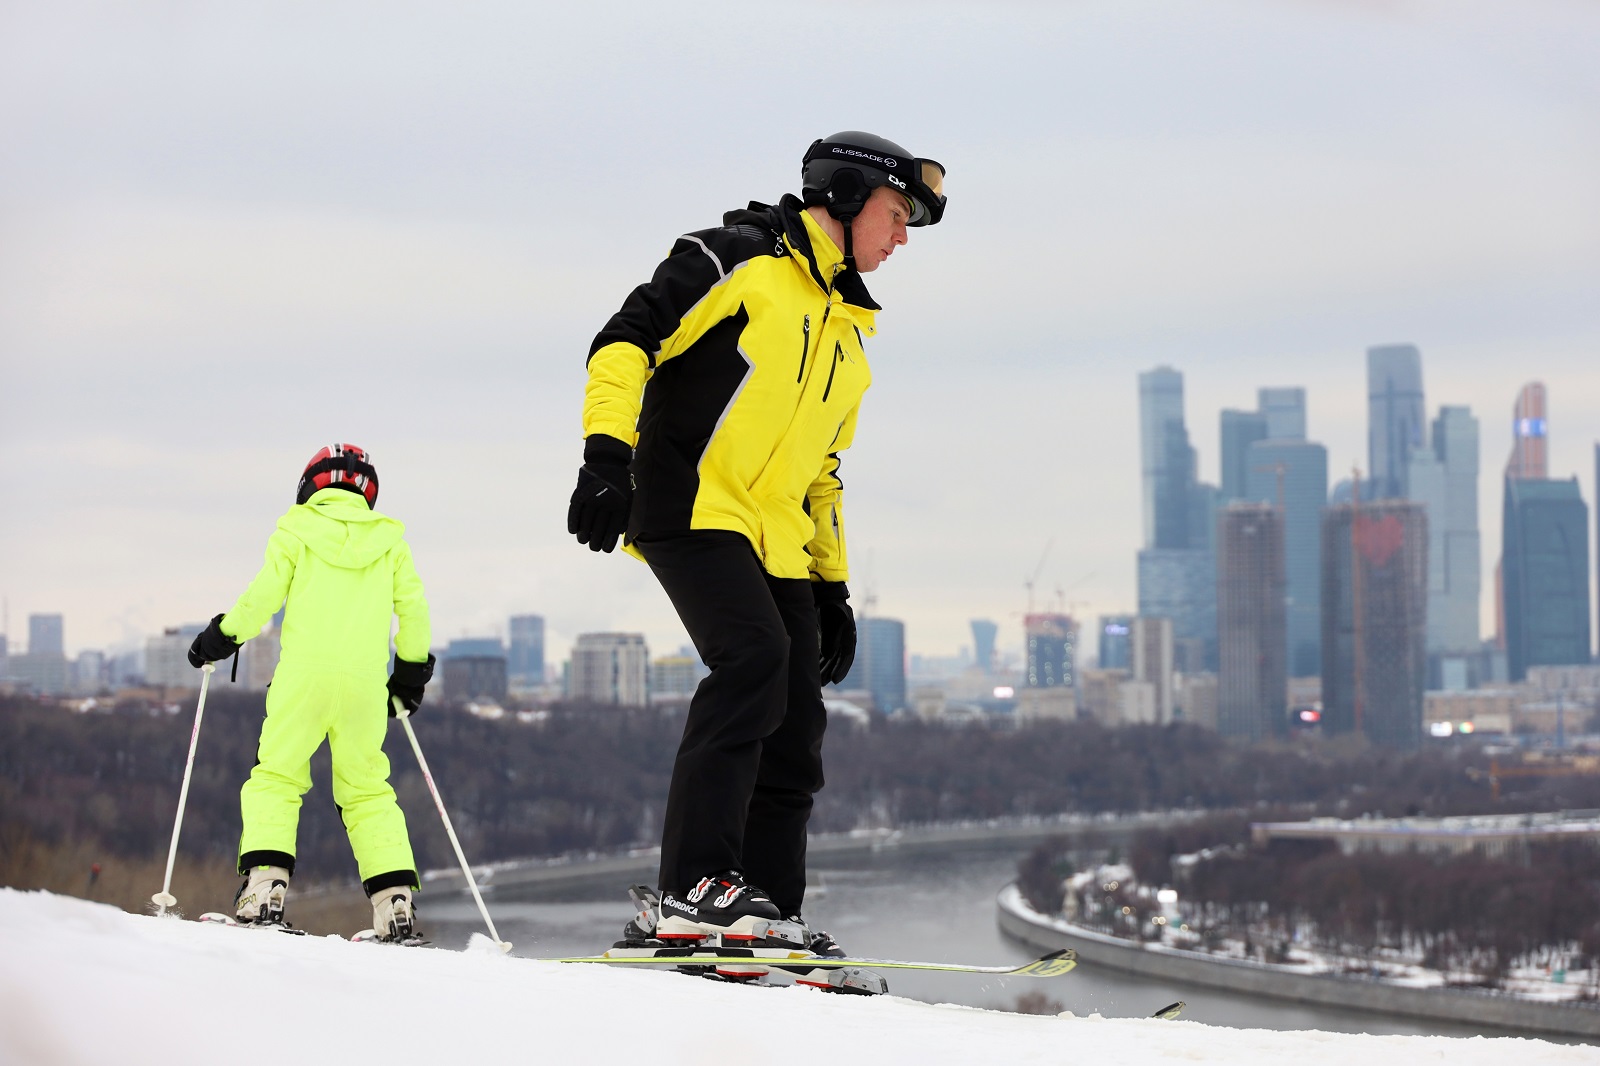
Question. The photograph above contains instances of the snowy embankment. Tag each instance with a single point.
(85, 983)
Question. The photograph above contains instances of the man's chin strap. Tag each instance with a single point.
(849, 246)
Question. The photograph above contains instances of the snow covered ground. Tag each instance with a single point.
(85, 983)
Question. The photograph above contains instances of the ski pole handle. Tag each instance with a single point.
(427, 775)
(164, 898)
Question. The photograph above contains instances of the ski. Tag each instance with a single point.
(1170, 1011)
(1053, 964)
(215, 918)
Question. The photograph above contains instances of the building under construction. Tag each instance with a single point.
(1374, 620)
(1252, 628)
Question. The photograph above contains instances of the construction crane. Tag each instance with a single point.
(1028, 581)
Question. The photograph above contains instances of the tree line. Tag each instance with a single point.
(594, 778)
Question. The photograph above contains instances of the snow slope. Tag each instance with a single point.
(86, 983)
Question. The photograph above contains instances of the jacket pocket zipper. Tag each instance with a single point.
(805, 346)
(838, 358)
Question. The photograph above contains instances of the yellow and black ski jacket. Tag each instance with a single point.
(736, 373)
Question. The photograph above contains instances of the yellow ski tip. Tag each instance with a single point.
(1052, 965)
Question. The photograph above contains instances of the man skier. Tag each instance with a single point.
(346, 572)
(718, 401)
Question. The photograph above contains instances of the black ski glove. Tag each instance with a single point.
(407, 682)
(212, 645)
(600, 504)
(836, 626)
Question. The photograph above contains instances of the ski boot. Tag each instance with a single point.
(722, 905)
(850, 980)
(260, 898)
(394, 919)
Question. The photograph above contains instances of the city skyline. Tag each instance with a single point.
(1264, 455)
(1260, 487)
(1252, 196)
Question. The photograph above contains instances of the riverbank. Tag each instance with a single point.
(641, 863)
(1019, 921)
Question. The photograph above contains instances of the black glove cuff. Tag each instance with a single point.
(228, 644)
(600, 448)
(829, 592)
(410, 673)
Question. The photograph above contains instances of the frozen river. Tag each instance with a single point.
(913, 904)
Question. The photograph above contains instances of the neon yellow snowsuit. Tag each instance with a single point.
(345, 571)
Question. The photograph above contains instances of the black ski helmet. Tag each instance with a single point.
(343, 466)
(840, 172)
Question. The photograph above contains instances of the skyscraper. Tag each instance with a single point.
(1177, 568)
(880, 666)
(44, 635)
(1252, 637)
(1530, 442)
(1052, 650)
(1394, 416)
(1115, 647)
(1239, 430)
(1285, 412)
(525, 663)
(1444, 478)
(166, 658)
(1293, 474)
(481, 647)
(1181, 585)
(43, 668)
(1529, 435)
(1165, 458)
(1280, 414)
(610, 668)
(1374, 620)
(1546, 574)
(983, 634)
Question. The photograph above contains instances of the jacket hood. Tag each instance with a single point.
(787, 219)
(341, 530)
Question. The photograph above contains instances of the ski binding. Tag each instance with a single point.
(218, 918)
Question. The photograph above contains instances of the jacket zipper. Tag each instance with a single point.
(826, 311)
(834, 365)
(805, 346)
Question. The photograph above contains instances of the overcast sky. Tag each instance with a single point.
(231, 233)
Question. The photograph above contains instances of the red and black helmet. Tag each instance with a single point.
(343, 466)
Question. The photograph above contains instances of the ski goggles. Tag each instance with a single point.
(927, 193)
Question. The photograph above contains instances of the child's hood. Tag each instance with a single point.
(338, 526)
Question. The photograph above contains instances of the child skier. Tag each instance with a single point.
(345, 571)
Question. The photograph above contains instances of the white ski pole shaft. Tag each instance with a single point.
(427, 775)
(164, 898)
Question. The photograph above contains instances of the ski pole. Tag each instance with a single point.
(164, 898)
(404, 715)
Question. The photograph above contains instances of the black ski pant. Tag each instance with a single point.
(751, 754)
